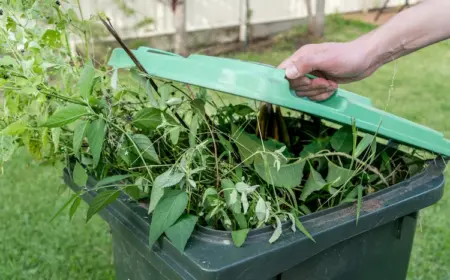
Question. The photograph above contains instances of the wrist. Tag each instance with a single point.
(374, 51)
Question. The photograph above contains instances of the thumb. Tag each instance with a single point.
(299, 67)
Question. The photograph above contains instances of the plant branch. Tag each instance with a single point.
(66, 37)
(113, 32)
(215, 155)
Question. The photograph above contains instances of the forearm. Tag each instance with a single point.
(417, 27)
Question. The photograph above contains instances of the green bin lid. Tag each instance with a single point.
(266, 83)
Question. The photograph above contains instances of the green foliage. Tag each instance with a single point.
(110, 180)
(342, 140)
(194, 161)
(145, 147)
(167, 212)
(180, 232)
(79, 175)
(86, 82)
(95, 134)
(239, 237)
(66, 115)
(314, 183)
(101, 201)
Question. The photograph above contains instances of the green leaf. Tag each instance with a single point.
(74, 207)
(350, 197)
(7, 148)
(110, 180)
(101, 201)
(337, 175)
(249, 144)
(304, 209)
(198, 106)
(65, 205)
(314, 147)
(373, 151)
(364, 144)
(11, 24)
(239, 237)
(51, 38)
(225, 143)
(342, 140)
(181, 231)
(241, 220)
(243, 110)
(175, 134)
(193, 131)
(7, 60)
(15, 129)
(174, 101)
(386, 162)
(226, 221)
(168, 179)
(146, 147)
(66, 115)
(95, 133)
(209, 192)
(155, 197)
(133, 191)
(231, 196)
(78, 135)
(166, 213)
(165, 91)
(260, 209)
(148, 118)
(80, 176)
(303, 229)
(289, 175)
(314, 183)
(278, 231)
(86, 82)
(56, 132)
(72, 15)
(358, 206)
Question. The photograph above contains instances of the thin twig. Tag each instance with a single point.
(113, 32)
(215, 155)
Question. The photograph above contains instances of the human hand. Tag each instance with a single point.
(331, 63)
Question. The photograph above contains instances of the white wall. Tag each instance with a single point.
(212, 14)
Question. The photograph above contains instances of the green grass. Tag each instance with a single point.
(33, 248)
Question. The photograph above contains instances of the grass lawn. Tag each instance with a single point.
(33, 248)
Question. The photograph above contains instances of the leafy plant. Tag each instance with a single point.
(196, 159)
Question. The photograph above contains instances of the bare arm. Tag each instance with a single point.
(408, 31)
(417, 27)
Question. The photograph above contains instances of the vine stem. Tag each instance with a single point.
(66, 37)
(67, 99)
(369, 167)
(215, 156)
(86, 42)
(132, 142)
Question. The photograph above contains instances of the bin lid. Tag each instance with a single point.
(268, 84)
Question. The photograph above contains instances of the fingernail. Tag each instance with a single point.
(292, 72)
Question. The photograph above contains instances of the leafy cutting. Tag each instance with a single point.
(192, 156)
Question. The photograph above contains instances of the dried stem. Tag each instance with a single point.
(113, 32)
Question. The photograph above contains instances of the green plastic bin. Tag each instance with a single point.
(377, 247)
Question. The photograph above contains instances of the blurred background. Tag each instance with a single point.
(266, 31)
